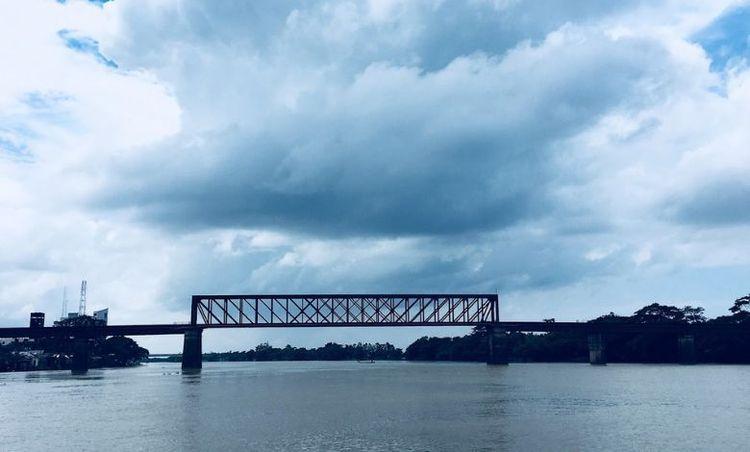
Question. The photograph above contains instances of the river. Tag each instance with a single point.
(397, 406)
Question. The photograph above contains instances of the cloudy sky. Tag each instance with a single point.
(579, 157)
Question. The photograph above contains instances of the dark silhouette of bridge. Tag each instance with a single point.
(361, 310)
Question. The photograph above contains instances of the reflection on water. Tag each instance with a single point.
(191, 376)
(32, 377)
(380, 406)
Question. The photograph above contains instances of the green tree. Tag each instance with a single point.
(264, 352)
(122, 351)
(693, 315)
(741, 304)
(656, 312)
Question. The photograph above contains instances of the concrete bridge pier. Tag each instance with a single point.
(81, 355)
(192, 349)
(686, 348)
(497, 340)
(597, 355)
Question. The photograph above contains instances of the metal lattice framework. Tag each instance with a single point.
(343, 310)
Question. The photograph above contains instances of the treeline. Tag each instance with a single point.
(550, 347)
(710, 347)
(329, 352)
(57, 353)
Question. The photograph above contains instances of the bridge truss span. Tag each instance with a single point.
(343, 310)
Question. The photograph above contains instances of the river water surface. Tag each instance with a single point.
(380, 406)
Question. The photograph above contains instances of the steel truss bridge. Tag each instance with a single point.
(343, 310)
(360, 310)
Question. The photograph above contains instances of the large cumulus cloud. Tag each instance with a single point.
(380, 148)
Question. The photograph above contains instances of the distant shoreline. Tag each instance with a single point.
(58, 354)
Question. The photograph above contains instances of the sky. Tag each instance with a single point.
(576, 157)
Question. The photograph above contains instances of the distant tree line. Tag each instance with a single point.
(329, 352)
(571, 347)
(56, 353)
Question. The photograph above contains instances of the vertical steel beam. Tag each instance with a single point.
(192, 349)
(194, 309)
(497, 342)
(597, 349)
(686, 349)
(81, 355)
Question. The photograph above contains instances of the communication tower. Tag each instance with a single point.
(82, 304)
(64, 313)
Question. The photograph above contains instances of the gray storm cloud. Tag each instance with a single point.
(379, 142)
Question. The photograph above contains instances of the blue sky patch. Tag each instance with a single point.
(96, 2)
(36, 111)
(727, 39)
(85, 44)
(13, 146)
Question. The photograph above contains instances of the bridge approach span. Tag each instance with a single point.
(510, 326)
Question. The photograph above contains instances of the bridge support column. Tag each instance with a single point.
(686, 348)
(597, 355)
(80, 364)
(192, 349)
(497, 340)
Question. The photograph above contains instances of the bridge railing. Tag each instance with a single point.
(344, 310)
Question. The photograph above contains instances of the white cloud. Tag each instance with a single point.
(598, 254)
(62, 111)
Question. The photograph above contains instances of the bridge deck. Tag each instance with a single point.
(540, 327)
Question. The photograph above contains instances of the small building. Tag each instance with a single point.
(102, 315)
(36, 320)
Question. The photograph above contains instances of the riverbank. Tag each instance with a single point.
(57, 354)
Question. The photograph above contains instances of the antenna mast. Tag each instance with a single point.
(64, 303)
(82, 304)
